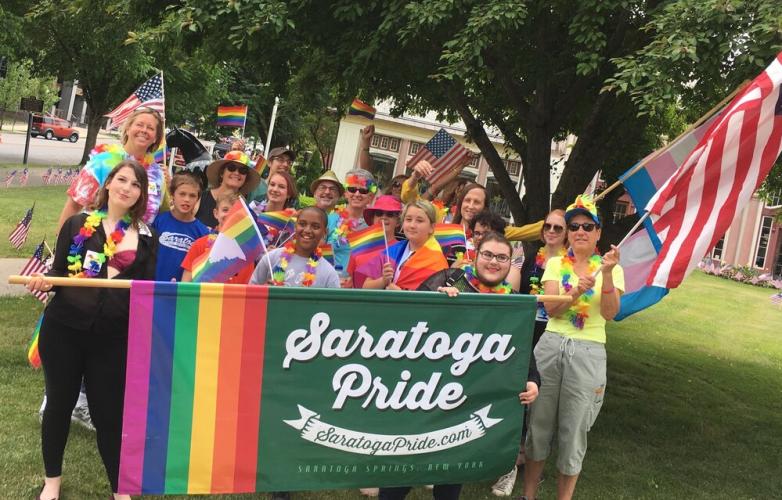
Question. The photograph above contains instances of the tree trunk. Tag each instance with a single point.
(94, 121)
(537, 173)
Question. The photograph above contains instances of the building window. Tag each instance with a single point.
(512, 166)
(776, 199)
(778, 264)
(620, 211)
(760, 252)
(385, 142)
(475, 160)
(716, 253)
(414, 147)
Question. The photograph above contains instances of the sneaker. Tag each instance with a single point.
(81, 416)
(504, 485)
(40, 410)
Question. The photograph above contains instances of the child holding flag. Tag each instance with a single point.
(299, 262)
(178, 228)
(203, 244)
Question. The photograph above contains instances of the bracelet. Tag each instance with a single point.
(610, 290)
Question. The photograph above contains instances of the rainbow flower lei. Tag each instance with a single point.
(109, 248)
(502, 288)
(540, 262)
(362, 182)
(579, 310)
(345, 225)
(278, 274)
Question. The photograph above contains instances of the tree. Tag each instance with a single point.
(85, 41)
(19, 82)
(534, 70)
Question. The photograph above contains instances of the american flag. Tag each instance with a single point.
(45, 177)
(697, 204)
(19, 235)
(443, 152)
(9, 179)
(37, 264)
(776, 299)
(25, 177)
(149, 95)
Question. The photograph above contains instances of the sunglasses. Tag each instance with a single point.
(384, 213)
(396, 184)
(501, 258)
(232, 167)
(586, 226)
(554, 228)
(354, 189)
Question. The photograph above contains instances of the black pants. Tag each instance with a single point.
(440, 492)
(67, 355)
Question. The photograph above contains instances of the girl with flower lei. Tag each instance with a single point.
(573, 344)
(299, 262)
(84, 331)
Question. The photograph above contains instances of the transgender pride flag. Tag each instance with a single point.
(640, 250)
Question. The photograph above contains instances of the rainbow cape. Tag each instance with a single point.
(366, 241)
(32, 349)
(231, 116)
(449, 234)
(360, 108)
(277, 220)
(423, 263)
(238, 243)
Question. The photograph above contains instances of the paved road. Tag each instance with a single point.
(8, 267)
(42, 151)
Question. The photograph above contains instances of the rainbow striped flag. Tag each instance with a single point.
(449, 234)
(160, 154)
(360, 108)
(32, 349)
(231, 116)
(277, 220)
(238, 243)
(327, 252)
(367, 240)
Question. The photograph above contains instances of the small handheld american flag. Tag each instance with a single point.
(37, 264)
(19, 235)
(443, 152)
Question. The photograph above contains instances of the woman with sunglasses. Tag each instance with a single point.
(385, 211)
(231, 175)
(360, 188)
(571, 352)
(395, 186)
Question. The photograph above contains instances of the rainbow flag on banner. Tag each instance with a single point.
(277, 220)
(32, 349)
(449, 234)
(360, 108)
(238, 243)
(231, 116)
(367, 240)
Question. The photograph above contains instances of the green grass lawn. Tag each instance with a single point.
(14, 203)
(693, 406)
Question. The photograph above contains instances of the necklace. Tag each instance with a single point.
(345, 225)
(579, 311)
(540, 264)
(502, 288)
(109, 248)
(278, 274)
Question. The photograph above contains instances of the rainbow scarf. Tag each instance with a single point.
(231, 116)
(360, 108)
(238, 243)
(423, 263)
(366, 241)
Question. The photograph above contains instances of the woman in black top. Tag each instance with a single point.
(84, 332)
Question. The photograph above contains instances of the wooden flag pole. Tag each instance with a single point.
(15, 279)
(660, 151)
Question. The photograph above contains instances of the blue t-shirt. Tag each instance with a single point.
(175, 238)
(339, 243)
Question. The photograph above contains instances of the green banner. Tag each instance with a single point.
(357, 388)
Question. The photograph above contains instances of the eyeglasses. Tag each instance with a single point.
(586, 226)
(283, 159)
(396, 184)
(327, 187)
(479, 234)
(232, 167)
(553, 228)
(384, 213)
(500, 257)
(354, 189)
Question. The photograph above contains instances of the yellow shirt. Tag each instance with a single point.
(594, 325)
(529, 232)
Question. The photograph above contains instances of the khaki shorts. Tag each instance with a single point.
(573, 376)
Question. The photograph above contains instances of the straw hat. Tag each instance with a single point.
(239, 158)
(329, 176)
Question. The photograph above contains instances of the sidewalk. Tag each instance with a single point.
(10, 266)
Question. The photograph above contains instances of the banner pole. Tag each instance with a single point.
(660, 151)
(16, 279)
